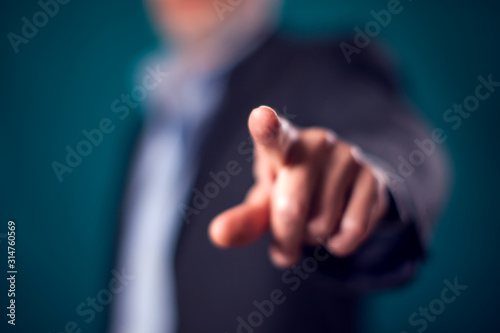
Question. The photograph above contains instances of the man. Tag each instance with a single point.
(335, 201)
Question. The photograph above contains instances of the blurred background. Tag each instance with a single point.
(64, 79)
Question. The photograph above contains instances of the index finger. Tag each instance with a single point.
(271, 134)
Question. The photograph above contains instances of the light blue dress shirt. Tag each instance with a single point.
(178, 113)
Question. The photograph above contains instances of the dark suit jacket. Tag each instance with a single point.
(232, 290)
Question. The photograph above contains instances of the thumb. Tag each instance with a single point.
(242, 224)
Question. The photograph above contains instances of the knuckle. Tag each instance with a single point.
(355, 230)
(320, 140)
(344, 157)
(318, 229)
(342, 251)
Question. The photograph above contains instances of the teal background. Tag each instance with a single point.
(65, 78)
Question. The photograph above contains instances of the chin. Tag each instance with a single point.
(193, 29)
